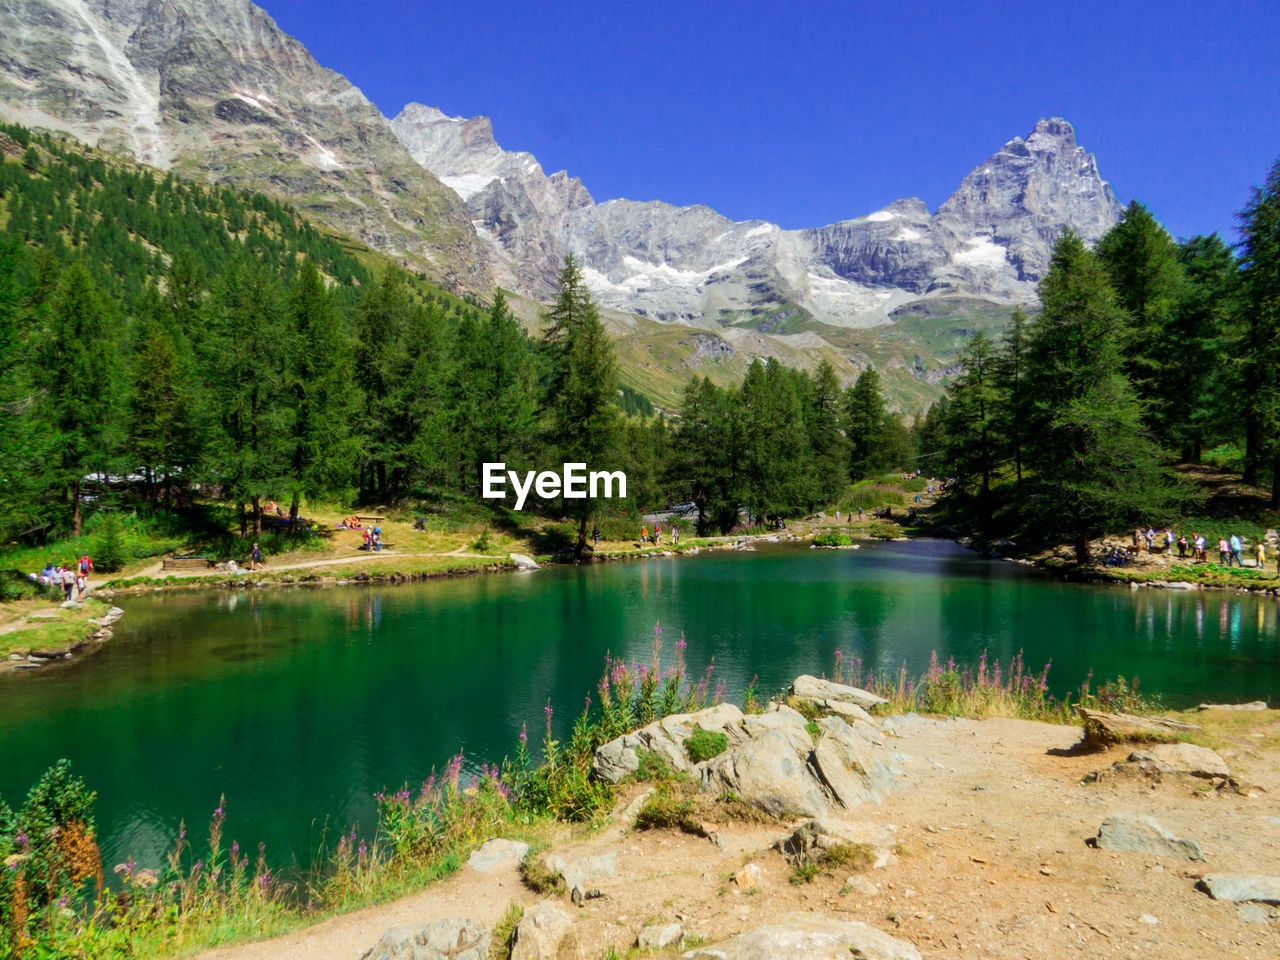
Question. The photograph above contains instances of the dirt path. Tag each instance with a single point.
(991, 821)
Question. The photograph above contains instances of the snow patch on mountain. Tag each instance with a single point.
(981, 252)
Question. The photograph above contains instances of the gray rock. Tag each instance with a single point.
(805, 687)
(497, 853)
(660, 937)
(1136, 834)
(665, 738)
(768, 773)
(847, 767)
(1239, 887)
(582, 877)
(823, 833)
(807, 936)
(71, 605)
(523, 562)
(860, 884)
(1181, 758)
(541, 932)
(452, 939)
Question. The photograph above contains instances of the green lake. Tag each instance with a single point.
(300, 704)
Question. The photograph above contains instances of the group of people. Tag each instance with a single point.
(353, 523)
(657, 535)
(1230, 549)
(72, 577)
(373, 539)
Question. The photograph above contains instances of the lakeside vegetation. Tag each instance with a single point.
(211, 889)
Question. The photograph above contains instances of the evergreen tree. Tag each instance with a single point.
(382, 319)
(1260, 281)
(866, 425)
(828, 446)
(972, 420)
(1142, 262)
(706, 454)
(165, 405)
(323, 397)
(82, 374)
(582, 418)
(1206, 331)
(1096, 468)
(1011, 381)
(246, 355)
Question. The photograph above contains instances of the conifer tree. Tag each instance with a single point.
(972, 420)
(82, 374)
(581, 416)
(1096, 467)
(1206, 335)
(165, 404)
(865, 425)
(827, 443)
(1144, 268)
(1011, 381)
(246, 355)
(1260, 281)
(322, 394)
(382, 318)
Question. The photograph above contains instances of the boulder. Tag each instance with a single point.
(1181, 758)
(497, 853)
(71, 605)
(769, 773)
(1134, 834)
(540, 932)
(805, 687)
(582, 877)
(1101, 730)
(847, 767)
(807, 936)
(523, 562)
(660, 937)
(813, 837)
(452, 939)
(860, 884)
(620, 757)
(1241, 887)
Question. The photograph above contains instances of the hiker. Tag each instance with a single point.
(595, 534)
(859, 514)
(1168, 541)
(1236, 547)
(82, 584)
(86, 565)
(1199, 543)
(1260, 555)
(1137, 540)
(68, 581)
(657, 534)
(644, 534)
(255, 557)
(376, 539)
(1182, 547)
(1222, 552)
(367, 541)
(675, 534)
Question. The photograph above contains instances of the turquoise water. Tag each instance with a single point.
(300, 704)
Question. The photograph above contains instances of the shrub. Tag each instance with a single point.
(884, 531)
(652, 767)
(109, 555)
(705, 744)
(666, 810)
(832, 538)
(482, 542)
(538, 877)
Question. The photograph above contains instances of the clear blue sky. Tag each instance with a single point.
(808, 113)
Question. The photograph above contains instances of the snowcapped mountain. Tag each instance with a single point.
(214, 90)
(991, 239)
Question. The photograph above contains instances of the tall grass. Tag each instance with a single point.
(990, 689)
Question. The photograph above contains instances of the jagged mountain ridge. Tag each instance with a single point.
(991, 239)
(214, 90)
